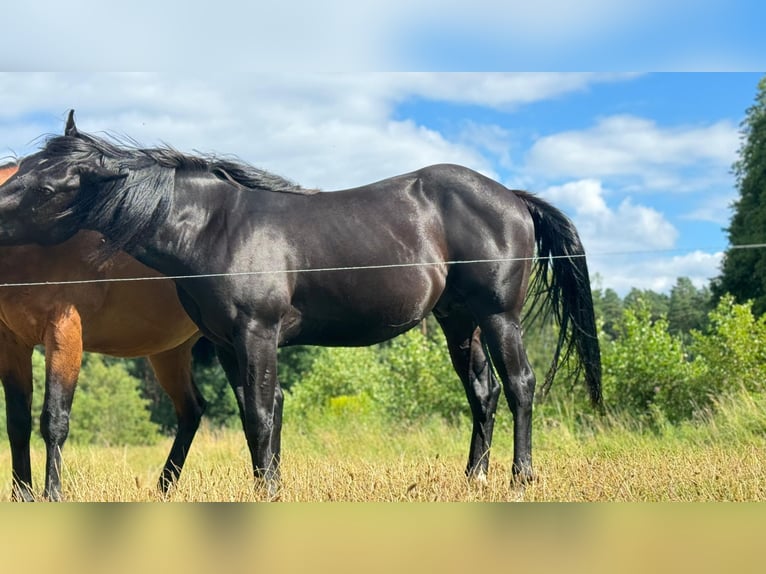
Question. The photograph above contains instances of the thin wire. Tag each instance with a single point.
(275, 271)
(349, 268)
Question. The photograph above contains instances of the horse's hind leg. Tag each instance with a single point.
(63, 358)
(503, 336)
(481, 388)
(173, 371)
(16, 374)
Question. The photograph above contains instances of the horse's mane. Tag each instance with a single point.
(128, 154)
(139, 198)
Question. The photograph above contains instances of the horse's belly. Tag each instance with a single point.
(364, 308)
(348, 333)
(136, 331)
(137, 342)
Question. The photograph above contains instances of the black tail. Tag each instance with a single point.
(561, 286)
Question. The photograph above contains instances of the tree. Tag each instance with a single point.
(743, 273)
(608, 308)
(688, 307)
(657, 303)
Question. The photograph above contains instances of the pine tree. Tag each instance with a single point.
(743, 273)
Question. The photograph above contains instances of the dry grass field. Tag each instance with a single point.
(372, 463)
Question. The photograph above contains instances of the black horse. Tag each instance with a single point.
(261, 263)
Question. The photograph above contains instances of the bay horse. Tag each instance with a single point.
(119, 319)
(262, 263)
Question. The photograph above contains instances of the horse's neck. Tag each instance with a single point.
(180, 244)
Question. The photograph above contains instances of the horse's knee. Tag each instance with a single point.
(54, 417)
(54, 424)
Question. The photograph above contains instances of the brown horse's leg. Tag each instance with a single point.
(63, 358)
(481, 387)
(16, 374)
(173, 371)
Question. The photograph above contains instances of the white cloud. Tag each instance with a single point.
(320, 130)
(628, 227)
(502, 90)
(325, 130)
(630, 245)
(621, 159)
(639, 150)
(658, 272)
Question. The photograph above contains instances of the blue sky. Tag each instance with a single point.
(641, 162)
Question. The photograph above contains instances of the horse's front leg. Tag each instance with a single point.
(16, 375)
(262, 402)
(63, 358)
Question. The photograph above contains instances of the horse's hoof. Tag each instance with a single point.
(22, 495)
(52, 496)
(268, 488)
(523, 477)
(273, 490)
(478, 478)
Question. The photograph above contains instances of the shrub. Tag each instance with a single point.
(420, 381)
(406, 381)
(733, 348)
(334, 373)
(108, 408)
(648, 373)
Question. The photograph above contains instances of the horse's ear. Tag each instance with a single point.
(70, 129)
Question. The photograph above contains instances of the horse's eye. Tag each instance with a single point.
(47, 190)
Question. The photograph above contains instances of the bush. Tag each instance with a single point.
(420, 383)
(108, 408)
(406, 381)
(647, 372)
(652, 376)
(334, 373)
(733, 349)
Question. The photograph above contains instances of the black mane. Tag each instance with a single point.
(85, 147)
(139, 198)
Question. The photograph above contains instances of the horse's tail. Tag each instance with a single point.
(560, 286)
